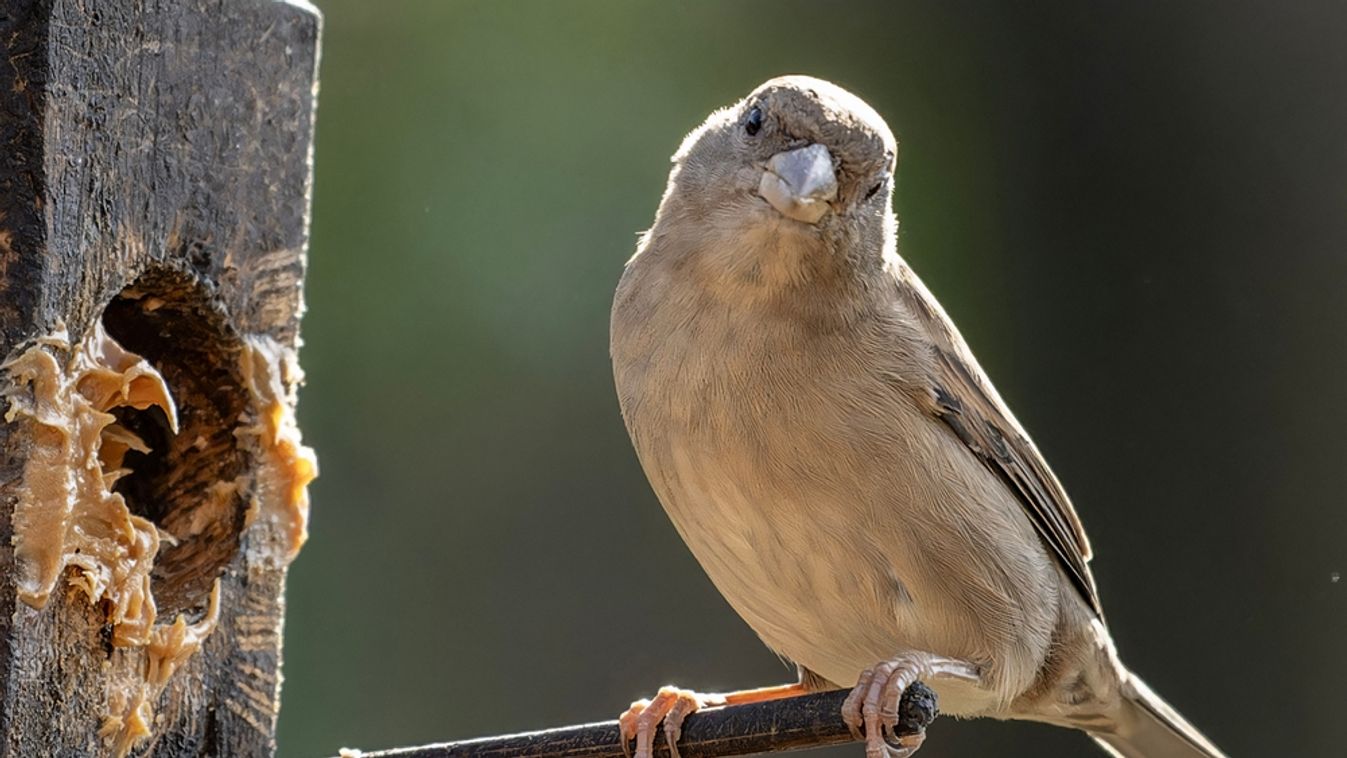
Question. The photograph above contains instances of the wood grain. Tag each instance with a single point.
(155, 170)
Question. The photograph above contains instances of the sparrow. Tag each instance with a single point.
(826, 444)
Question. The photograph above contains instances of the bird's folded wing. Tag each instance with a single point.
(962, 397)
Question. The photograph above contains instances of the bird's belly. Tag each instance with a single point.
(837, 570)
(791, 580)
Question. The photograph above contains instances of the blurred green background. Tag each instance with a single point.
(1137, 213)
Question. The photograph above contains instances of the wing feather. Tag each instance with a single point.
(963, 399)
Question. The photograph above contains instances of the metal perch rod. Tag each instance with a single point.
(794, 723)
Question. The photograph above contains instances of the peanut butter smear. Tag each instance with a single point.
(170, 646)
(67, 515)
(281, 494)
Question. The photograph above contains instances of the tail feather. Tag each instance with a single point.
(1147, 727)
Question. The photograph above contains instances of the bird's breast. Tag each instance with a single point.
(763, 459)
(827, 508)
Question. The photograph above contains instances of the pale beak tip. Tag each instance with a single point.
(800, 183)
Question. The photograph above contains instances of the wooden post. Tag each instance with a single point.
(154, 200)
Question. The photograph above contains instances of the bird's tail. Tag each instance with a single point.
(1147, 727)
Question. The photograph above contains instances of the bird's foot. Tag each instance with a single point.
(874, 701)
(670, 705)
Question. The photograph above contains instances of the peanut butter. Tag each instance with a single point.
(131, 702)
(67, 515)
(287, 465)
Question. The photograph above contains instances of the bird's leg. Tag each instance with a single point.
(672, 705)
(874, 700)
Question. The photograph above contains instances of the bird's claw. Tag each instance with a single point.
(874, 703)
(670, 705)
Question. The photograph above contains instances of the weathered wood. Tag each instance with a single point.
(154, 176)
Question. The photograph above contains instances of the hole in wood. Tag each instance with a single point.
(188, 483)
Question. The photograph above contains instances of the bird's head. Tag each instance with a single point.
(798, 167)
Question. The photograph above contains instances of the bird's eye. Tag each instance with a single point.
(873, 190)
(753, 124)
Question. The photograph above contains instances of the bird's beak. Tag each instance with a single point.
(800, 182)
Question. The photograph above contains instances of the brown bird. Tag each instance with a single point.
(839, 464)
